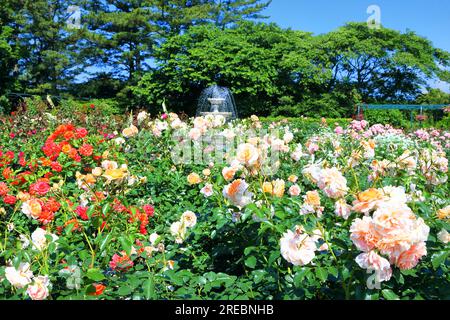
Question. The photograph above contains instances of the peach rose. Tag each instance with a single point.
(130, 131)
(297, 248)
(410, 258)
(228, 173)
(333, 183)
(443, 236)
(39, 289)
(267, 187)
(312, 198)
(444, 213)
(342, 209)
(363, 234)
(373, 261)
(294, 190)
(238, 194)
(278, 188)
(207, 190)
(97, 171)
(367, 200)
(194, 178)
(247, 154)
(189, 219)
(115, 174)
(178, 230)
(32, 208)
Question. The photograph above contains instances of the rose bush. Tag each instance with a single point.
(166, 208)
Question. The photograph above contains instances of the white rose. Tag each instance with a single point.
(21, 277)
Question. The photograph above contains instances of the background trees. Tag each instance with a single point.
(142, 52)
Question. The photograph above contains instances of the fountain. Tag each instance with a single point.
(217, 101)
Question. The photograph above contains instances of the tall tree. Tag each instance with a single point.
(9, 46)
(117, 36)
(227, 12)
(381, 64)
(47, 64)
(255, 61)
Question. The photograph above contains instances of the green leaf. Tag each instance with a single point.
(389, 294)
(105, 208)
(124, 291)
(321, 273)
(438, 258)
(149, 289)
(90, 211)
(333, 271)
(250, 262)
(104, 241)
(95, 274)
(126, 244)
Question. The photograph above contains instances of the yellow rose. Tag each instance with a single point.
(267, 187)
(444, 213)
(313, 198)
(194, 178)
(115, 174)
(278, 188)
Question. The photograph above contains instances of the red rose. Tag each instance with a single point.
(46, 217)
(52, 205)
(56, 166)
(81, 133)
(82, 212)
(149, 210)
(69, 135)
(40, 188)
(7, 172)
(8, 199)
(86, 150)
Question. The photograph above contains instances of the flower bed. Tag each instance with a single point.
(161, 208)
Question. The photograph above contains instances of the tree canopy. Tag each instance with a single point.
(143, 52)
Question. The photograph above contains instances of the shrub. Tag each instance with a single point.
(393, 117)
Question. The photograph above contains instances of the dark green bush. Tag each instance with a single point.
(392, 117)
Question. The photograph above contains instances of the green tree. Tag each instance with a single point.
(381, 64)
(262, 64)
(117, 36)
(227, 12)
(434, 96)
(47, 62)
(9, 47)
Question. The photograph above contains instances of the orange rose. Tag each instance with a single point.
(228, 173)
(66, 148)
(367, 200)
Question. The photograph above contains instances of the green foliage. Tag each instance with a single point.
(144, 52)
(273, 71)
(434, 96)
(394, 117)
(260, 63)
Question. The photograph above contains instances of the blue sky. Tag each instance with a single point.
(428, 18)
